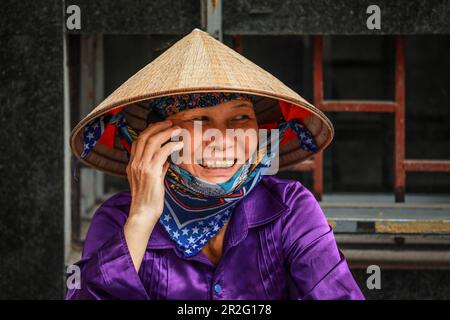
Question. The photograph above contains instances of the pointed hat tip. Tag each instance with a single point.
(198, 30)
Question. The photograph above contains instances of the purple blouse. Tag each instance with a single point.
(278, 245)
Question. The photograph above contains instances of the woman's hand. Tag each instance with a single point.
(147, 167)
(146, 170)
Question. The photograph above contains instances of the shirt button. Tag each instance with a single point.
(217, 288)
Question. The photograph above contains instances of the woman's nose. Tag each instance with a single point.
(221, 145)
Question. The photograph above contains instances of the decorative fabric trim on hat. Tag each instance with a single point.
(169, 105)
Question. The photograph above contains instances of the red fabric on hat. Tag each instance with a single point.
(289, 112)
(108, 135)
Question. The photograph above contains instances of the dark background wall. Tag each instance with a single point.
(31, 150)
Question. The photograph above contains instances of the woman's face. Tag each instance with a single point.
(211, 159)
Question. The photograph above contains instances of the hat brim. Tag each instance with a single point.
(114, 160)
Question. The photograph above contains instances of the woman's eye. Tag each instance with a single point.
(241, 117)
(200, 118)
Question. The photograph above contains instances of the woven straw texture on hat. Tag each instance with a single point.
(199, 63)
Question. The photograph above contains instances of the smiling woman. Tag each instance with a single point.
(218, 160)
(216, 224)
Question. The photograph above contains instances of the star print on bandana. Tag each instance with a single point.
(103, 129)
(305, 137)
(195, 235)
(91, 134)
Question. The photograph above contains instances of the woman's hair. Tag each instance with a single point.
(153, 116)
(162, 107)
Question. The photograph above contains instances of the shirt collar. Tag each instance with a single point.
(259, 207)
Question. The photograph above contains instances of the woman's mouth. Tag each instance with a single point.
(215, 170)
(217, 164)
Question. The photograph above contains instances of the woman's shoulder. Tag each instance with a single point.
(108, 218)
(121, 198)
(303, 210)
(285, 188)
(115, 207)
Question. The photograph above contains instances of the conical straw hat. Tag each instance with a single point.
(199, 63)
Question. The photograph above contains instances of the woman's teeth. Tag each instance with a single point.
(218, 163)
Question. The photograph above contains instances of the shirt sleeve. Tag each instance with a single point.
(106, 268)
(316, 266)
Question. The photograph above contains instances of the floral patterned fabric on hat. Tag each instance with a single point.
(169, 105)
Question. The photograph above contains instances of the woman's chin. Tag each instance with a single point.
(214, 179)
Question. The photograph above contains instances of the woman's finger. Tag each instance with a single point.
(155, 143)
(133, 151)
(141, 141)
(165, 168)
(162, 155)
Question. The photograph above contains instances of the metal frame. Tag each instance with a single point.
(397, 107)
(211, 14)
(389, 251)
